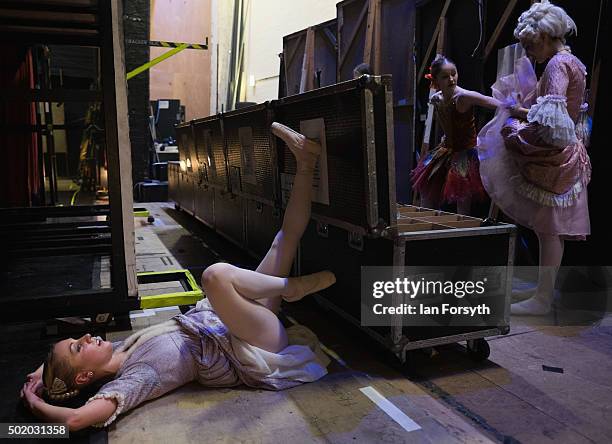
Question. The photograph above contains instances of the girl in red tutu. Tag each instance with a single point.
(449, 173)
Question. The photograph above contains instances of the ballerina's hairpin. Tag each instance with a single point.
(58, 387)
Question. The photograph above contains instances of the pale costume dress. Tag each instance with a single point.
(203, 350)
(537, 170)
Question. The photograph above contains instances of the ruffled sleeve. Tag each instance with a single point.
(556, 125)
(136, 385)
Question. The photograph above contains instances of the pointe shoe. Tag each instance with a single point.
(301, 286)
(303, 149)
(531, 307)
(523, 295)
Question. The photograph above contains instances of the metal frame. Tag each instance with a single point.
(395, 340)
(191, 295)
(294, 50)
(68, 237)
(369, 138)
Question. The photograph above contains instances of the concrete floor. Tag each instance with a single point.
(541, 383)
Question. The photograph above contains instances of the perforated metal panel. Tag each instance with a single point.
(352, 158)
(358, 135)
(211, 151)
(186, 144)
(251, 161)
(345, 145)
(204, 204)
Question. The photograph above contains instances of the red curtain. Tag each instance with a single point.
(19, 165)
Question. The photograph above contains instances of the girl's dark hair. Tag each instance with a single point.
(438, 63)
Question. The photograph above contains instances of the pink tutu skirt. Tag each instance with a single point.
(445, 176)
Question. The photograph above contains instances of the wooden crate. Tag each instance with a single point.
(380, 33)
(315, 68)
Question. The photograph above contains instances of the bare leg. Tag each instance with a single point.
(551, 254)
(246, 301)
(280, 256)
(232, 292)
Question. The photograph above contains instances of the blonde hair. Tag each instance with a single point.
(59, 375)
(545, 18)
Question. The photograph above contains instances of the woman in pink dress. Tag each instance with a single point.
(538, 170)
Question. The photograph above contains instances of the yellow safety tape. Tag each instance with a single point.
(74, 196)
(156, 60)
(170, 299)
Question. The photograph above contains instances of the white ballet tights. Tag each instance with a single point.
(551, 254)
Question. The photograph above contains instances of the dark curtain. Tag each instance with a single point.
(19, 165)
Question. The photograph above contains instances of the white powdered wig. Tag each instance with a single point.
(546, 18)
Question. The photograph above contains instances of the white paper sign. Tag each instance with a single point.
(315, 129)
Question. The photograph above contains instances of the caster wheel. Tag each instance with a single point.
(177, 207)
(150, 219)
(478, 349)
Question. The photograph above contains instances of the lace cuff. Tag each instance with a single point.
(556, 126)
(119, 397)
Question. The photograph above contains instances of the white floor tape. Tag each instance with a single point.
(386, 406)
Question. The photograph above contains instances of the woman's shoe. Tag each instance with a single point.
(303, 149)
(298, 287)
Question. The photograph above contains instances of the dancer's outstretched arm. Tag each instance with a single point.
(94, 412)
(468, 98)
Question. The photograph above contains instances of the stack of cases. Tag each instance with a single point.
(227, 176)
(361, 226)
(253, 179)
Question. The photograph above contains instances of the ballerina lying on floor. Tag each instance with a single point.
(233, 337)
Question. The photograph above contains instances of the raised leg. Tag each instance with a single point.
(280, 256)
(247, 301)
(232, 292)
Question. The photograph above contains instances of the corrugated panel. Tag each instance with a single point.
(342, 113)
